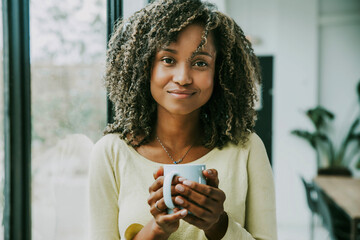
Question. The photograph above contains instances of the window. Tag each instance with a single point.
(68, 45)
(68, 112)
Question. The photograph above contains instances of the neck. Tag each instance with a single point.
(178, 131)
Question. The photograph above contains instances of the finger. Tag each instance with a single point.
(211, 177)
(159, 172)
(194, 197)
(169, 218)
(201, 212)
(158, 195)
(176, 180)
(189, 188)
(159, 207)
(157, 184)
(161, 204)
(176, 209)
(191, 219)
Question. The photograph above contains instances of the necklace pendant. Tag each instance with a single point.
(172, 159)
(178, 161)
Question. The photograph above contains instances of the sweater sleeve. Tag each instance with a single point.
(103, 192)
(260, 216)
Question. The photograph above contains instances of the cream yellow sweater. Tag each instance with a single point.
(120, 178)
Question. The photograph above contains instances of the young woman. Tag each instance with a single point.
(182, 78)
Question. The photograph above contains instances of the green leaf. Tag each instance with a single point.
(354, 126)
(308, 136)
(319, 115)
(358, 164)
(356, 137)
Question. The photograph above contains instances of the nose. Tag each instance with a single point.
(182, 75)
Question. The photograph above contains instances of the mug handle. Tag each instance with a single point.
(167, 189)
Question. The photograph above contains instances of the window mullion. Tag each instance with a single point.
(114, 12)
(17, 120)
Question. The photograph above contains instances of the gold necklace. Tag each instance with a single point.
(172, 159)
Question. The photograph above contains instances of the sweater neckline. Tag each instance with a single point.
(147, 161)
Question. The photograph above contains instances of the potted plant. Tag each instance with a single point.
(330, 159)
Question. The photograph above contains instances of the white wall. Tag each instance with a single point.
(131, 6)
(221, 4)
(340, 61)
(295, 91)
(316, 49)
(258, 19)
(288, 31)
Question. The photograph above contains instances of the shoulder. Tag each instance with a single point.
(109, 144)
(109, 140)
(242, 153)
(253, 142)
(253, 150)
(257, 155)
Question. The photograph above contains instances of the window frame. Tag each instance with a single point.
(114, 12)
(17, 120)
(17, 113)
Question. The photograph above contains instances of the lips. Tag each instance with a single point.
(181, 93)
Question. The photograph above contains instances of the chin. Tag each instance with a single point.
(182, 110)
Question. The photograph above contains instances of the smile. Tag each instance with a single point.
(181, 94)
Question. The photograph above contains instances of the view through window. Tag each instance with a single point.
(68, 45)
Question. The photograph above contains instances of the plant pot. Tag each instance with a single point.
(335, 171)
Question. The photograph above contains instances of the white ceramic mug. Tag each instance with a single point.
(191, 172)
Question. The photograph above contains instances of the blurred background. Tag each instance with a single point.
(310, 55)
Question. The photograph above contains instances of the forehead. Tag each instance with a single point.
(191, 37)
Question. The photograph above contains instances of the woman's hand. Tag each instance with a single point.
(206, 204)
(164, 224)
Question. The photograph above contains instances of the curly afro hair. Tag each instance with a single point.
(228, 116)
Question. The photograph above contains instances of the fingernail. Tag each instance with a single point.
(181, 179)
(179, 201)
(187, 183)
(179, 188)
(183, 212)
(210, 172)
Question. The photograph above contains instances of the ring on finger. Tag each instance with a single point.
(157, 208)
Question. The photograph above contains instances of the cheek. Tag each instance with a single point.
(208, 83)
(154, 80)
(210, 91)
(158, 77)
(157, 85)
(154, 88)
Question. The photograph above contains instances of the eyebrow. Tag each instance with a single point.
(193, 55)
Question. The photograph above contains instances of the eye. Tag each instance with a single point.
(167, 60)
(200, 64)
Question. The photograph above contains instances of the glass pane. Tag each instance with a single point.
(68, 45)
(2, 156)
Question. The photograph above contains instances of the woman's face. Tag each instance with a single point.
(181, 81)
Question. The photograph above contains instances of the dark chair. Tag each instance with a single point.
(325, 214)
(333, 219)
(312, 201)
